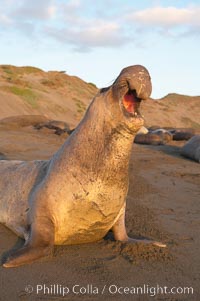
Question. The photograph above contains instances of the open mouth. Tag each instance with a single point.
(131, 104)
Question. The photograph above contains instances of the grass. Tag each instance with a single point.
(10, 70)
(29, 69)
(59, 109)
(14, 74)
(7, 69)
(81, 107)
(48, 83)
(27, 94)
(93, 85)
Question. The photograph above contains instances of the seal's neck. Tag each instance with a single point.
(98, 143)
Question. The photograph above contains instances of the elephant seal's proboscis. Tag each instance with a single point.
(80, 194)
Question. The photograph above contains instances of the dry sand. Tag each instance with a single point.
(163, 203)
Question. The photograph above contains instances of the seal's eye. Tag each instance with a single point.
(131, 102)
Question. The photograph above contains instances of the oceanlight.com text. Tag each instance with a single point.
(109, 289)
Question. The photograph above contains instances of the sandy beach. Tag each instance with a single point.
(162, 204)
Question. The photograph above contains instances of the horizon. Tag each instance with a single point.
(64, 72)
(94, 43)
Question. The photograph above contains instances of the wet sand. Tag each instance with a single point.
(163, 204)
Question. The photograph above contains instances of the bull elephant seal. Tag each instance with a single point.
(183, 133)
(59, 127)
(78, 195)
(143, 130)
(192, 149)
(152, 138)
(164, 134)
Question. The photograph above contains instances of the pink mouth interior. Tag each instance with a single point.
(130, 103)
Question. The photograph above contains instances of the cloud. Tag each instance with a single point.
(34, 10)
(73, 5)
(5, 20)
(89, 34)
(166, 16)
(84, 26)
(26, 17)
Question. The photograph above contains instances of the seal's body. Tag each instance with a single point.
(79, 195)
(192, 149)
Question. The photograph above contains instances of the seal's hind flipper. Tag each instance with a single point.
(26, 255)
(39, 245)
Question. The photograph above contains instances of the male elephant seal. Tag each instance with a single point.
(182, 133)
(78, 195)
(192, 149)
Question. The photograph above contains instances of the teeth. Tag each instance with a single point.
(135, 114)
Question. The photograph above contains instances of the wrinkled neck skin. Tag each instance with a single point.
(99, 144)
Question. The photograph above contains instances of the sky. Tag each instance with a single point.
(95, 39)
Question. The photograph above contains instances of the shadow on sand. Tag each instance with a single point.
(2, 156)
(168, 149)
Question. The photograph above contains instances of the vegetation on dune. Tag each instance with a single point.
(27, 94)
(48, 83)
(93, 85)
(81, 107)
(9, 69)
(30, 69)
(19, 83)
(16, 75)
(10, 75)
(59, 109)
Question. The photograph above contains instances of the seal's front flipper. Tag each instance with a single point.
(119, 231)
(147, 241)
(39, 245)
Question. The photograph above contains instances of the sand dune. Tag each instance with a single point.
(56, 95)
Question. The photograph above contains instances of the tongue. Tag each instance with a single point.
(129, 103)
